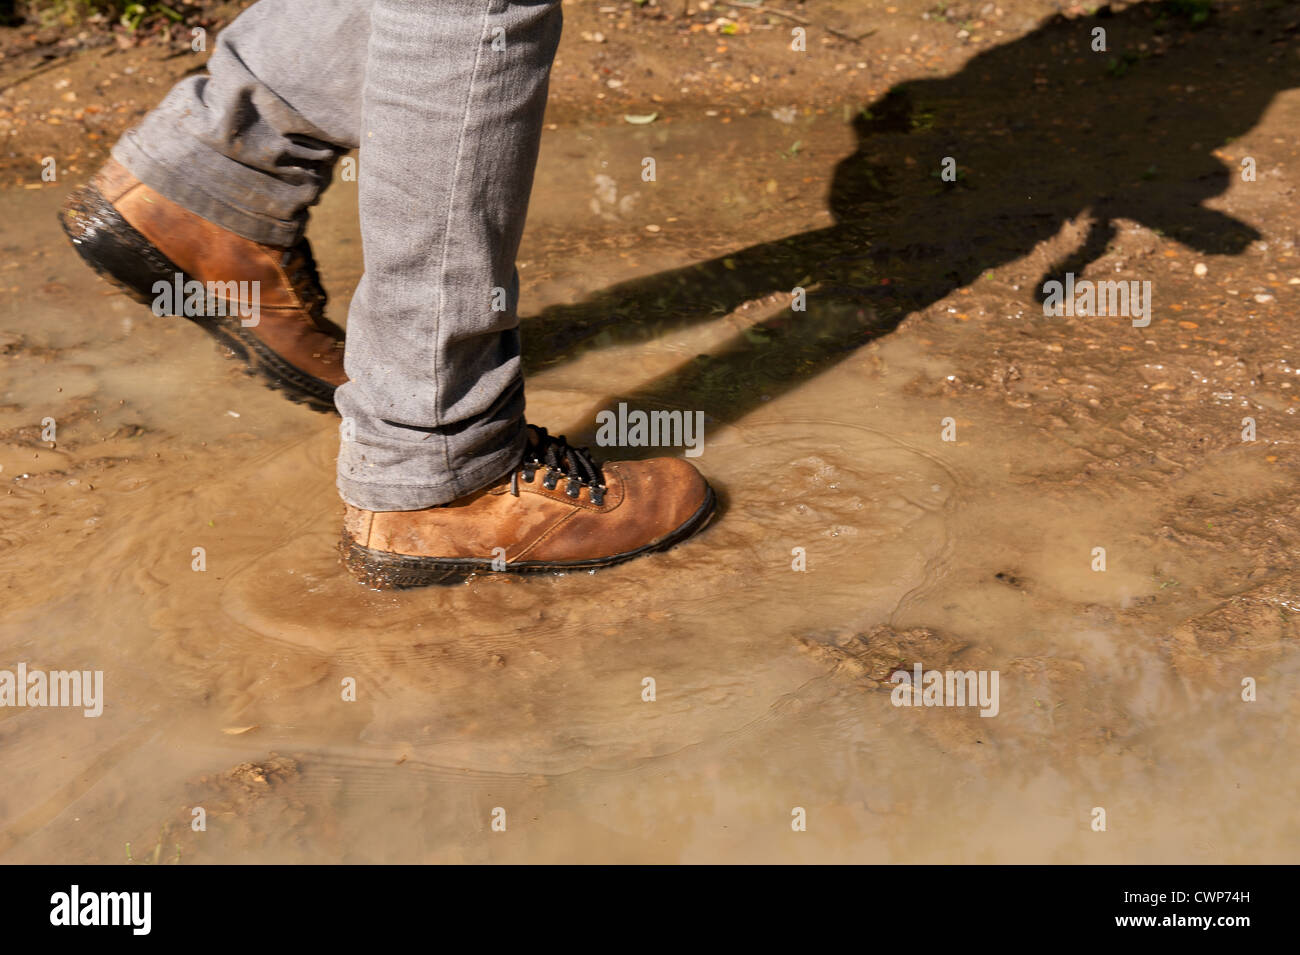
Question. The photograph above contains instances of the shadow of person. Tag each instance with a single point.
(1042, 130)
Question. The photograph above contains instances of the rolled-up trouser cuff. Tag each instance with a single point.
(189, 163)
(356, 459)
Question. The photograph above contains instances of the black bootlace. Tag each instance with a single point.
(560, 459)
(300, 265)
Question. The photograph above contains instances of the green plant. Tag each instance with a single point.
(135, 14)
(130, 13)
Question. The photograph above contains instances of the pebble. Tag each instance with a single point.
(1263, 299)
(1200, 268)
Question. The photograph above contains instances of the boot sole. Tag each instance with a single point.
(131, 263)
(384, 570)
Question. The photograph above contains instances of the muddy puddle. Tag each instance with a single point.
(826, 437)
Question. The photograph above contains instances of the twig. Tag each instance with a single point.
(37, 71)
(759, 8)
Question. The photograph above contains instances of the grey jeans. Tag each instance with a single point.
(445, 99)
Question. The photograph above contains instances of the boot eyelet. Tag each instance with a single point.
(598, 495)
(572, 488)
(549, 482)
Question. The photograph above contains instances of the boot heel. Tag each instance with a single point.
(113, 248)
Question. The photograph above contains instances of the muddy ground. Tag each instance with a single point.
(1171, 445)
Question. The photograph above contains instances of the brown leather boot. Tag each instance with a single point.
(576, 515)
(135, 237)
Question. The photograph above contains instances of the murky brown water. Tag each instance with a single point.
(1118, 690)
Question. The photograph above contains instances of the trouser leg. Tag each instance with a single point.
(455, 93)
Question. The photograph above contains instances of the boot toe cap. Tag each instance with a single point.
(665, 493)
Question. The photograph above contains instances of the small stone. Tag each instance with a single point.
(1200, 269)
